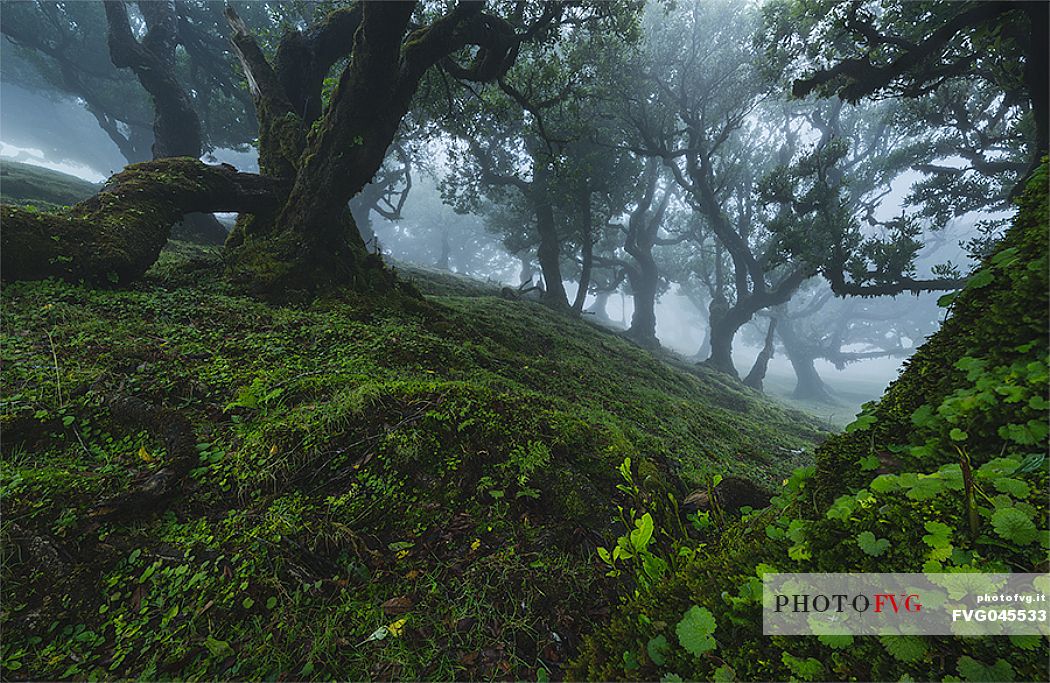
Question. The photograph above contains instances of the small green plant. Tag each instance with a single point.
(634, 547)
(255, 396)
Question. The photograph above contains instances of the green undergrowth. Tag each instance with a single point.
(384, 487)
(946, 473)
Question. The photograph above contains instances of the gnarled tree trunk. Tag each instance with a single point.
(758, 370)
(295, 236)
(809, 386)
(115, 236)
(176, 126)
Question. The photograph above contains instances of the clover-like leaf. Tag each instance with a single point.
(861, 424)
(1014, 525)
(871, 545)
(695, 629)
(657, 648)
(939, 534)
(972, 670)
(1015, 487)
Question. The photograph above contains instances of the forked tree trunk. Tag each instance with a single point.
(809, 386)
(643, 320)
(295, 235)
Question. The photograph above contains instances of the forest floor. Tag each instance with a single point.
(392, 488)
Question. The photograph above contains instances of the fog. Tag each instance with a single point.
(445, 198)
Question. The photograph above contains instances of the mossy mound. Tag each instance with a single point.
(384, 487)
(28, 185)
(947, 472)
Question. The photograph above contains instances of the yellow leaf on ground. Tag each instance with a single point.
(395, 628)
(145, 455)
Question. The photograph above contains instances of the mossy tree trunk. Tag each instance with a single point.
(549, 250)
(115, 236)
(301, 238)
(312, 242)
(643, 228)
(725, 327)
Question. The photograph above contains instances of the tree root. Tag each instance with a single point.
(175, 430)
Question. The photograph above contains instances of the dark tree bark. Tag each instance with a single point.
(642, 272)
(809, 386)
(549, 254)
(758, 370)
(584, 219)
(115, 236)
(176, 126)
(536, 194)
(312, 242)
(642, 230)
(724, 328)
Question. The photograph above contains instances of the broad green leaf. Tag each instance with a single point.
(1014, 525)
(904, 648)
(695, 629)
(871, 545)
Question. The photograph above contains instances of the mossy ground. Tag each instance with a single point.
(28, 185)
(434, 471)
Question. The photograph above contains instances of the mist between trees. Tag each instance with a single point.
(775, 187)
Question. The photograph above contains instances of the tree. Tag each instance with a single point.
(637, 263)
(817, 325)
(61, 47)
(532, 134)
(821, 201)
(95, 52)
(314, 159)
(879, 48)
(695, 118)
(67, 38)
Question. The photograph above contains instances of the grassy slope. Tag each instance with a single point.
(25, 184)
(976, 389)
(451, 464)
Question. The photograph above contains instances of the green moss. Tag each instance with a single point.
(457, 454)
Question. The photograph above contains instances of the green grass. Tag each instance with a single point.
(451, 463)
(28, 185)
